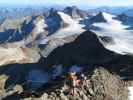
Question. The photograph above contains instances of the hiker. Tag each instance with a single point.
(83, 79)
(73, 82)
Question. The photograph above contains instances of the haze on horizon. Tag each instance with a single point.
(79, 3)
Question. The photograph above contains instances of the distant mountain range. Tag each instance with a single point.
(55, 21)
(40, 28)
(12, 12)
(75, 34)
(44, 44)
(114, 10)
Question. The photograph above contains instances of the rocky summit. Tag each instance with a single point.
(65, 54)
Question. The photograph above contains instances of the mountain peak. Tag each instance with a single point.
(102, 17)
(106, 16)
(75, 13)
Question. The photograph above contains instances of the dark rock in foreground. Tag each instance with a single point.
(102, 85)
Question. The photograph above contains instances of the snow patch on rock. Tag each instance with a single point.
(66, 18)
(40, 25)
(73, 28)
(130, 92)
(108, 16)
(123, 38)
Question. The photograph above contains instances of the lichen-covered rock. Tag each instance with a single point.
(107, 85)
(102, 85)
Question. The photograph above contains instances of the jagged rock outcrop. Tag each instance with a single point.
(15, 54)
(126, 20)
(102, 85)
(35, 49)
(107, 40)
(38, 27)
(75, 13)
(54, 43)
(98, 18)
(85, 49)
(26, 31)
(54, 21)
(10, 23)
(101, 17)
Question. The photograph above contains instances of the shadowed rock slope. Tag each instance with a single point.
(85, 49)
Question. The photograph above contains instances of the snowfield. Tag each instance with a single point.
(111, 24)
(130, 93)
(123, 39)
(73, 28)
(40, 25)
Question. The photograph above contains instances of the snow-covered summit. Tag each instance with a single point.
(66, 18)
(40, 25)
(110, 24)
(108, 17)
(115, 29)
(73, 27)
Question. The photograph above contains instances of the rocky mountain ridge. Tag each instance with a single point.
(50, 45)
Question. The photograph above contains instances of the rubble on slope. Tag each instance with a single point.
(101, 85)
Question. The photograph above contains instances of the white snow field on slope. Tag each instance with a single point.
(73, 28)
(114, 28)
(40, 25)
(130, 89)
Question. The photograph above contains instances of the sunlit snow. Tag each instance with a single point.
(73, 27)
(130, 93)
(40, 25)
(113, 28)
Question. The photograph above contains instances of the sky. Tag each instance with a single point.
(69, 2)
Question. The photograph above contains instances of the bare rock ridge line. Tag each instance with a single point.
(38, 50)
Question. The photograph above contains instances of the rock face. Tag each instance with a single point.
(126, 20)
(101, 86)
(28, 29)
(53, 21)
(16, 54)
(38, 26)
(98, 18)
(108, 86)
(85, 49)
(9, 55)
(54, 43)
(75, 13)
(38, 53)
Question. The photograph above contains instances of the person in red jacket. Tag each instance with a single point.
(73, 82)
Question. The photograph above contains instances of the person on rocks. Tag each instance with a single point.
(83, 79)
(73, 82)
